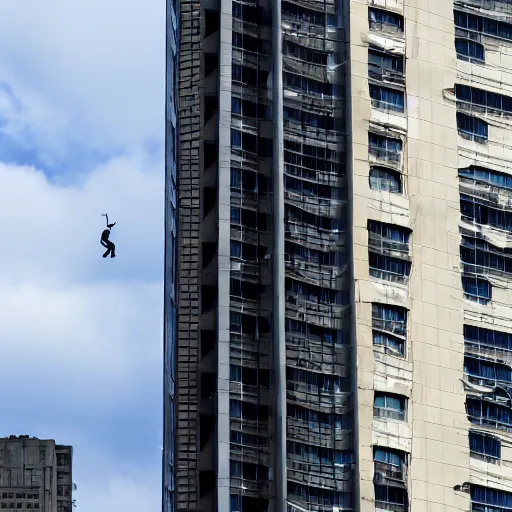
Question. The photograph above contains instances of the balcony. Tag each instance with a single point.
(380, 73)
(383, 413)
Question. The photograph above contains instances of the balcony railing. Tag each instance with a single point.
(389, 414)
(386, 75)
(396, 327)
(390, 472)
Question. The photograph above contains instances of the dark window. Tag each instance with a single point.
(385, 148)
(307, 85)
(487, 338)
(481, 257)
(389, 497)
(469, 50)
(485, 499)
(319, 496)
(482, 25)
(385, 65)
(303, 53)
(472, 128)
(315, 381)
(489, 101)
(319, 455)
(482, 412)
(387, 99)
(484, 445)
(320, 121)
(314, 293)
(379, 18)
(388, 268)
(476, 289)
(316, 333)
(482, 370)
(385, 180)
(475, 211)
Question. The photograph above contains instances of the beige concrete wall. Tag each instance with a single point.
(435, 433)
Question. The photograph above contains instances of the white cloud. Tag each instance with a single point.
(104, 61)
(81, 336)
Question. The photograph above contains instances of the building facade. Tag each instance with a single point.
(342, 331)
(35, 474)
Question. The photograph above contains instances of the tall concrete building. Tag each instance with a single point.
(338, 304)
(35, 474)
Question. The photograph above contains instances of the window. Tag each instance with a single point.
(494, 414)
(313, 190)
(385, 98)
(237, 437)
(246, 75)
(307, 85)
(481, 257)
(303, 14)
(389, 406)
(306, 161)
(483, 370)
(489, 101)
(247, 13)
(387, 456)
(319, 496)
(389, 325)
(385, 65)
(314, 382)
(235, 503)
(483, 25)
(384, 148)
(469, 50)
(317, 420)
(319, 455)
(391, 498)
(315, 333)
(484, 446)
(249, 376)
(248, 108)
(248, 470)
(487, 339)
(303, 53)
(294, 214)
(483, 175)
(389, 268)
(247, 43)
(390, 463)
(485, 499)
(385, 180)
(314, 293)
(380, 19)
(243, 179)
(476, 289)
(472, 128)
(248, 411)
(397, 236)
(322, 122)
(475, 210)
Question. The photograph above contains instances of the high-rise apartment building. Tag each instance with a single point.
(338, 294)
(35, 475)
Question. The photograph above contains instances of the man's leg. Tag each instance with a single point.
(112, 248)
(107, 252)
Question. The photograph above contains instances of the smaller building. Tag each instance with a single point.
(35, 475)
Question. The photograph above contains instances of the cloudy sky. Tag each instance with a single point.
(81, 133)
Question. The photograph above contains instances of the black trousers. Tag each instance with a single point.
(111, 248)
